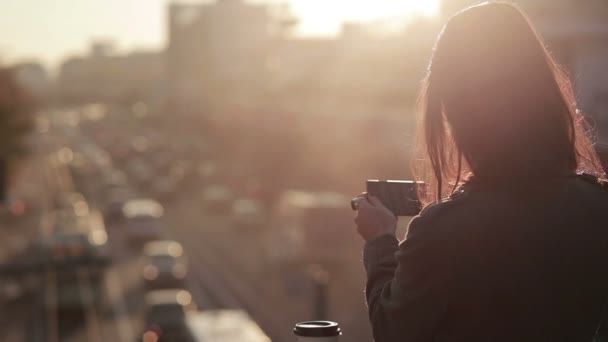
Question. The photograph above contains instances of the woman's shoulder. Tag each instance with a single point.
(590, 190)
(437, 220)
(470, 197)
(600, 183)
(456, 199)
(441, 215)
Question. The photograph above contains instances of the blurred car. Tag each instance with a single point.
(69, 243)
(140, 171)
(120, 152)
(165, 265)
(165, 314)
(218, 199)
(181, 169)
(248, 214)
(74, 201)
(78, 248)
(15, 210)
(163, 187)
(81, 170)
(162, 161)
(101, 158)
(143, 220)
(81, 237)
(206, 169)
(114, 201)
(113, 178)
(79, 286)
(110, 179)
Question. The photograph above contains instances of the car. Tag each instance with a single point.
(165, 314)
(218, 199)
(81, 170)
(182, 172)
(163, 187)
(164, 265)
(143, 220)
(114, 201)
(15, 211)
(80, 242)
(73, 201)
(113, 178)
(140, 171)
(77, 237)
(71, 244)
(248, 214)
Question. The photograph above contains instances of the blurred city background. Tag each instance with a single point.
(181, 171)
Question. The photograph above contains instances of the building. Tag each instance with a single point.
(109, 77)
(34, 78)
(218, 52)
(234, 54)
(227, 53)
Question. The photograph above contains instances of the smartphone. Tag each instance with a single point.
(399, 196)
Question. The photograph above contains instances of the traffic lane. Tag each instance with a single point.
(124, 286)
(23, 313)
(66, 322)
(121, 322)
(111, 321)
(127, 272)
(20, 217)
(14, 318)
(207, 287)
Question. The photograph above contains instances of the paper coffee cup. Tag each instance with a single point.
(317, 331)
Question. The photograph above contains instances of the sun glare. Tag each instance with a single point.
(324, 17)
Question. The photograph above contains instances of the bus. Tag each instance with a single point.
(223, 326)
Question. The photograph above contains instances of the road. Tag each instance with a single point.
(226, 258)
(229, 268)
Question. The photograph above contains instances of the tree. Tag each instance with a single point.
(16, 108)
(15, 117)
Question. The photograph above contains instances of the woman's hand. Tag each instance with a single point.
(373, 219)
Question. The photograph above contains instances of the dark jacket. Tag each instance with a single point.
(524, 261)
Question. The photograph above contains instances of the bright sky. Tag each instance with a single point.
(49, 30)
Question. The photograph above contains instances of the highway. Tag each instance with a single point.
(229, 265)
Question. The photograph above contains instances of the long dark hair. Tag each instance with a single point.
(496, 105)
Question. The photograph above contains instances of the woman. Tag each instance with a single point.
(514, 247)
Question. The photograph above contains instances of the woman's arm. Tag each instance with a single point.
(406, 288)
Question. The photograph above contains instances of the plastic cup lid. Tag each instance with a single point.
(317, 329)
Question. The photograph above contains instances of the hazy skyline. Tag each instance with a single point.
(46, 31)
